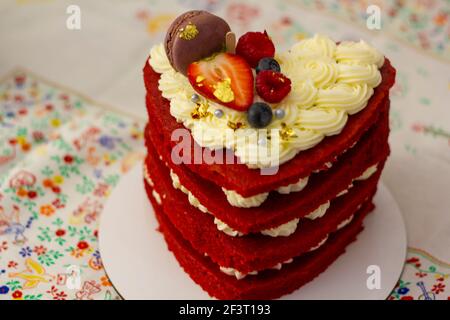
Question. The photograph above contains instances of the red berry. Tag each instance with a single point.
(60, 232)
(272, 86)
(253, 46)
(225, 78)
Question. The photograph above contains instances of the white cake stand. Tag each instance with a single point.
(140, 266)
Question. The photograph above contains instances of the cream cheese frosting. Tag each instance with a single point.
(283, 230)
(157, 197)
(364, 176)
(240, 275)
(236, 200)
(368, 173)
(329, 82)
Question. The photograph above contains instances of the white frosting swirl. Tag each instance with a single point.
(174, 85)
(325, 121)
(319, 45)
(344, 97)
(349, 52)
(303, 94)
(356, 73)
(322, 70)
(159, 61)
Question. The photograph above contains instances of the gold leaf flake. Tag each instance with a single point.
(235, 125)
(201, 111)
(286, 132)
(189, 32)
(223, 91)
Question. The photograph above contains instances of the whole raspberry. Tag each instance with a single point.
(253, 46)
(272, 86)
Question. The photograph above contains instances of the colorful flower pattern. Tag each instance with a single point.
(61, 157)
(424, 278)
(424, 24)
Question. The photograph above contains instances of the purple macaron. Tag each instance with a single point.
(193, 36)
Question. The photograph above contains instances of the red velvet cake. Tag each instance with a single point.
(262, 165)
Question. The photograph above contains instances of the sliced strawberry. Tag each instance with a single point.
(225, 78)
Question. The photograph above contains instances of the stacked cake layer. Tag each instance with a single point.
(243, 235)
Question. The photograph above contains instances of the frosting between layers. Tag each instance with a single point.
(364, 176)
(236, 200)
(240, 275)
(283, 230)
(329, 82)
(368, 173)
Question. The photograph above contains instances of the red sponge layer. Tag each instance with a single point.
(248, 182)
(269, 284)
(255, 251)
(278, 208)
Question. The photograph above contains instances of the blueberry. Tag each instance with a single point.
(259, 115)
(268, 64)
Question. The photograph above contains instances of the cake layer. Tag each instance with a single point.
(279, 209)
(269, 284)
(255, 251)
(248, 182)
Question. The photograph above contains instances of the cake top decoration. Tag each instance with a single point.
(306, 93)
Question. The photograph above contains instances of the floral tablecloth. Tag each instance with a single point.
(61, 153)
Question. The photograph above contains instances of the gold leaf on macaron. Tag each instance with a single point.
(189, 32)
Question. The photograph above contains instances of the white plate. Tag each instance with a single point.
(140, 266)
